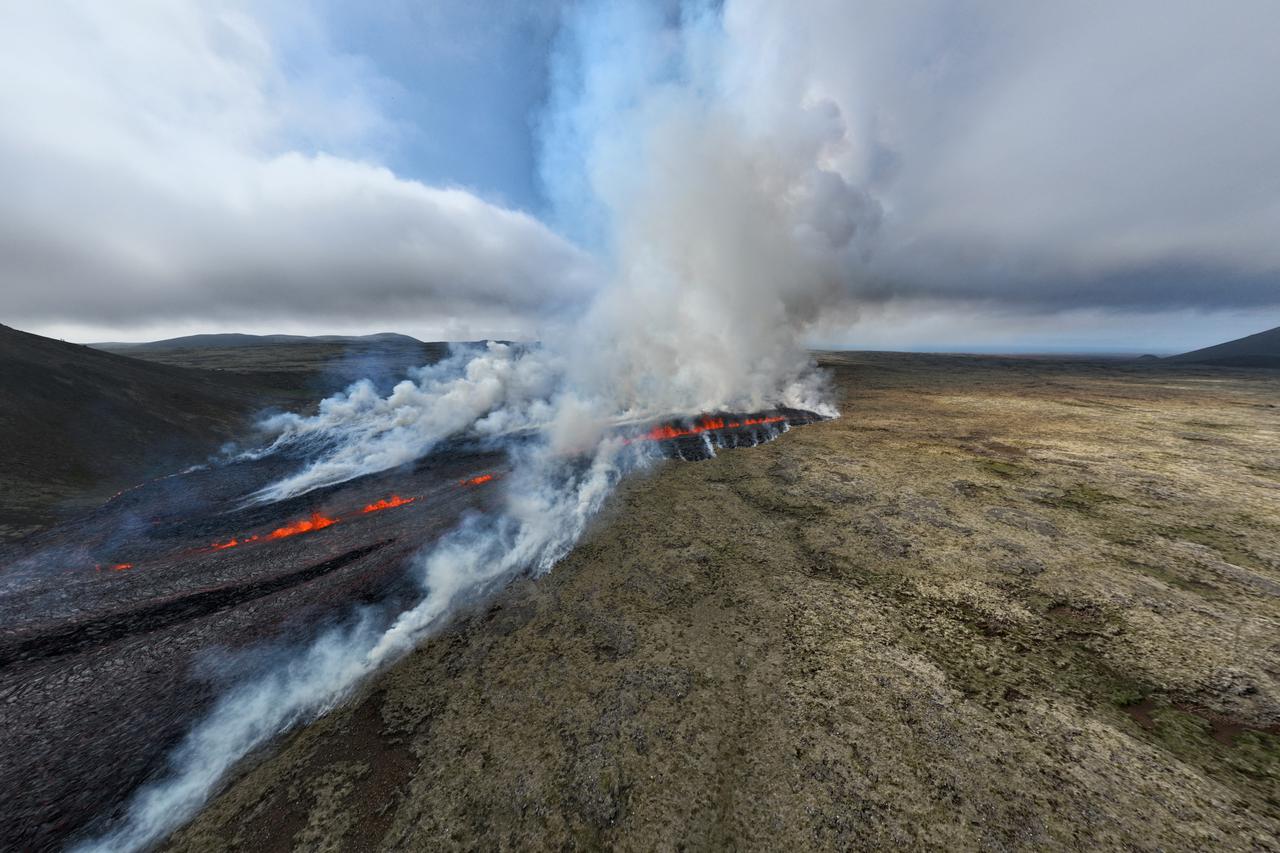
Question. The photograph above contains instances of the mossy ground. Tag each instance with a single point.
(998, 604)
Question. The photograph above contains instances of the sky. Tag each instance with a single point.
(1020, 177)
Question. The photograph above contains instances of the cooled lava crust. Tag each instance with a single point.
(120, 628)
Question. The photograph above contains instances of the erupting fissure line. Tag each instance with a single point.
(306, 525)
(231, 543)
(665, 432)
(317, 521)
(388, 503)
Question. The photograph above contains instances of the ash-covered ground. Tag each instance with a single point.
(1012, 603)
(999, 604)
(119, 628)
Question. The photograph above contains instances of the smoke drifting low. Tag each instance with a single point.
(729, 230)
(548, 504)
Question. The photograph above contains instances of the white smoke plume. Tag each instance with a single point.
(729, 228)
(487, 393)
(548, 506)
(730, 223)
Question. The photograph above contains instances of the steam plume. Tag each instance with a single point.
(728, 229)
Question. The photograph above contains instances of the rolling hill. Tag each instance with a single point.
(235, 339)
(78, 424)
(303, 369)
(1260, 350)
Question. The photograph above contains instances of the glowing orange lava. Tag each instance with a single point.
(315, 522)
(666, 431)
(388, 503)
(231, 543)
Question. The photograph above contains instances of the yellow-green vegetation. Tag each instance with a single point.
(998, 604)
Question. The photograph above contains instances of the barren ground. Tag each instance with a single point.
(998, 604)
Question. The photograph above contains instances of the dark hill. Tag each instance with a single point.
(303, 369)
(234, 339)
(77, 424)
(1260, 350)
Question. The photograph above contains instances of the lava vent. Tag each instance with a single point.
(694, 439)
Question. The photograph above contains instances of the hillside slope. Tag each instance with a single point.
(78, 424)
(237, 339)
(1260, 350)
(302, 369)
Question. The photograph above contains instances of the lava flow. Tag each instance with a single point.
(317, 521)
(231, 543)
(665, 432)
(306, 525)
(388, 503)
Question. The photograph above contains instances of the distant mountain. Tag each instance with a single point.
(308, 368)
(1260, 350)
(233, 339)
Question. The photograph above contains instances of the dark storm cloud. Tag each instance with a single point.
(187, 162)
(1054, 156)
(1041, 156)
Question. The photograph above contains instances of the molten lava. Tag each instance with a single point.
(388, 503)
(317, 521)
(306, 525)
(706, 424)
(231, 543)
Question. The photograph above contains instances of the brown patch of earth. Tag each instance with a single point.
(876, 632)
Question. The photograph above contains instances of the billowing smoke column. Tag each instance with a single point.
(713, 159)
(727, 227)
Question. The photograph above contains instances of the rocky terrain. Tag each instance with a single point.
(120, 627)
(999, 604)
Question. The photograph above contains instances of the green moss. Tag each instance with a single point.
(1119, 689)
(1126, 695)
(1172, 578)
(1120, 536)
(1005, 470)
(1257, 755)
(1209, 425)
(1227, 544)
(1079, 498)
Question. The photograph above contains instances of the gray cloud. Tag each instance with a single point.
(169, 164)
(158, 164)
(1053, 155)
